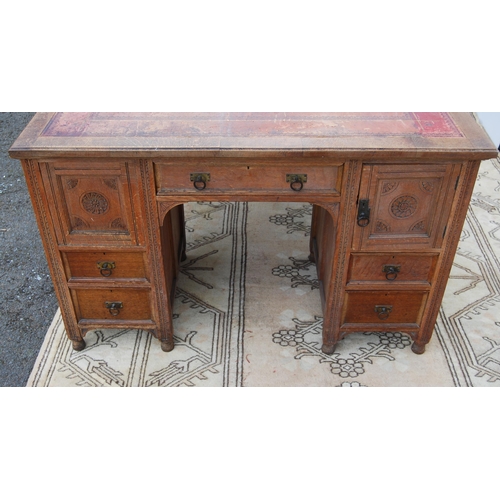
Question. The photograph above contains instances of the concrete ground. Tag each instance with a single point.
(27, 299)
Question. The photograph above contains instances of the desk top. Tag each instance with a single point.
(258, 134)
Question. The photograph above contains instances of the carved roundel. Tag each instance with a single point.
(94, 203)
(404, 206)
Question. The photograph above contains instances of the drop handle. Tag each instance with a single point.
(383, 312)
(391, 272)
(200, 180)
(296, 181)
(114, 307)
(106, 268)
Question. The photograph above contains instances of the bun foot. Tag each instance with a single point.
(167, 346)
(417, 348)
(78, 345)
(328, 349)
(312, 258)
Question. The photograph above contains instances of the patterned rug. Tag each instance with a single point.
(248, 313)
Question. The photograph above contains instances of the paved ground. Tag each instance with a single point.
(27, 299)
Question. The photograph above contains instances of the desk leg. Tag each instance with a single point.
(328, 348)
(164, 231)
(174, 237)
(323, 245)
(173, 246)
(167, 345)
(334, 235)
(418, 348)
(78, 345)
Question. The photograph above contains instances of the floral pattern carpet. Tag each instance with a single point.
(248, 313)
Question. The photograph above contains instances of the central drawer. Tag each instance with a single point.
(189, 176)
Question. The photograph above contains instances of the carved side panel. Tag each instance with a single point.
(458, 214)
(408, 204)
(40, 201)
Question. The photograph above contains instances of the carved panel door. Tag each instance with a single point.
(408, 206)
(91, 203)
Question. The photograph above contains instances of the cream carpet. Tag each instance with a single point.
(248, 313)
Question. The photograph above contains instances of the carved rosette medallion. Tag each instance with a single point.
(94, 203)
(404, 207)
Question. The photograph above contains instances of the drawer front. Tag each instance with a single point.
(384, 307)
(248, 177)
(392, 268)
(112, 304)
(105, 265)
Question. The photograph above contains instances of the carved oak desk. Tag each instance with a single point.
(390, 193)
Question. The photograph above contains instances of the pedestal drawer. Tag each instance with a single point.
(391, 268)
(112, 304)
(104, 265)
(378, 307)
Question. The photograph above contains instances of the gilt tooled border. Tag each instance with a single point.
(53, 253)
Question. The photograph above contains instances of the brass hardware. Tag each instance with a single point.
(200, 180)
(296, 181)
(114, 307)
(383, 311)
(391, 272)
(105, 267)
(363, 213)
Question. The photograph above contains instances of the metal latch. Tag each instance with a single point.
(363, 213)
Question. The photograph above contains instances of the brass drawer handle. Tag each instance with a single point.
(114, 307)
(296, 181)
(199, 180)
(383, 312)
(106, 267)
(391, 272)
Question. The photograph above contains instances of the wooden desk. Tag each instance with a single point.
(390, 194)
